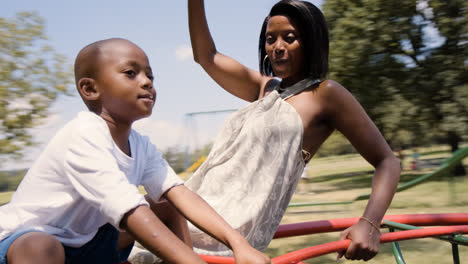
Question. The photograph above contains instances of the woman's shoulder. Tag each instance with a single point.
(332, 90)
(331, 86)
(333, 96)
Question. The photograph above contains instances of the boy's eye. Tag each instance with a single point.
(151, 77)
(130, 73)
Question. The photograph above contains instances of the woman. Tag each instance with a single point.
(258, 158)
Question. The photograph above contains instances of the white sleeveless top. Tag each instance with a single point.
(251, 172)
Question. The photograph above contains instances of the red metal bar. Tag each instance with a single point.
(332, 225)
(224, 260)
(314, 227)
(430, 219)
(327, 248)
(218, 260)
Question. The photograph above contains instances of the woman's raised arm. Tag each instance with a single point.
(234, 77)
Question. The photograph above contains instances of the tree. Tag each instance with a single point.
(449, 82)
(32, 75)
(181, 160)
(406, 62)
(175, 158)
(365, 55)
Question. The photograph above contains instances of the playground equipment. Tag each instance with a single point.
(448, 227)
(191, 124)
(192, 167)
(452, 226)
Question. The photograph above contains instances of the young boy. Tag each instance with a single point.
(79, 202)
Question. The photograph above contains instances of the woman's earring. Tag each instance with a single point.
(266, 65)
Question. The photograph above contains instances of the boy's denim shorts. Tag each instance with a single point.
(6, 243)
(102, 249)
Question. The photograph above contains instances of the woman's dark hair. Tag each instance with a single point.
(314, 36)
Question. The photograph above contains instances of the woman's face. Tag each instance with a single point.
(283, 46)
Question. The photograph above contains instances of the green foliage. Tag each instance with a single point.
(9, 180)
(406, 62)
(32, 74)
(198, 153)
(447, 68)
(3, 183)
(175, 158)
(178, 158)
(336, 144)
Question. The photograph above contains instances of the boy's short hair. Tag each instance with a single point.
(87, 62)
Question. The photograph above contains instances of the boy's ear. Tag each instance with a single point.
(87, 89)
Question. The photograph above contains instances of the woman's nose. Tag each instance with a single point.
(279, 46)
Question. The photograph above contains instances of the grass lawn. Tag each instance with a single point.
(5, 197)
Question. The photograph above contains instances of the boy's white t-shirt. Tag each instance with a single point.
(82, 180)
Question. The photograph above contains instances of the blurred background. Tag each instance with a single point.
(405, 61)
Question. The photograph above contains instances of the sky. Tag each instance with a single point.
(160, 29)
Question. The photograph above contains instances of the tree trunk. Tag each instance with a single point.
(453, 140)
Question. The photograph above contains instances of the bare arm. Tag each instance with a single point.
(147, 229)
(197, 211)
(234, 77)
(349, 118)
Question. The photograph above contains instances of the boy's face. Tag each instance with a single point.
(125, 82)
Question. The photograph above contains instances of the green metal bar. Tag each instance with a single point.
(316, 204)
(397, 253)
(396, 250)
(456, 238)
(445, 167)
(455, 254)
(399, 226)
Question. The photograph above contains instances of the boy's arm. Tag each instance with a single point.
(202, 215)
(147, 229)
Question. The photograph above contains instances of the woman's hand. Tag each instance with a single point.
(365, 241)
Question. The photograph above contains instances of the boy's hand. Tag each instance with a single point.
(196, 210)
(365, 241)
